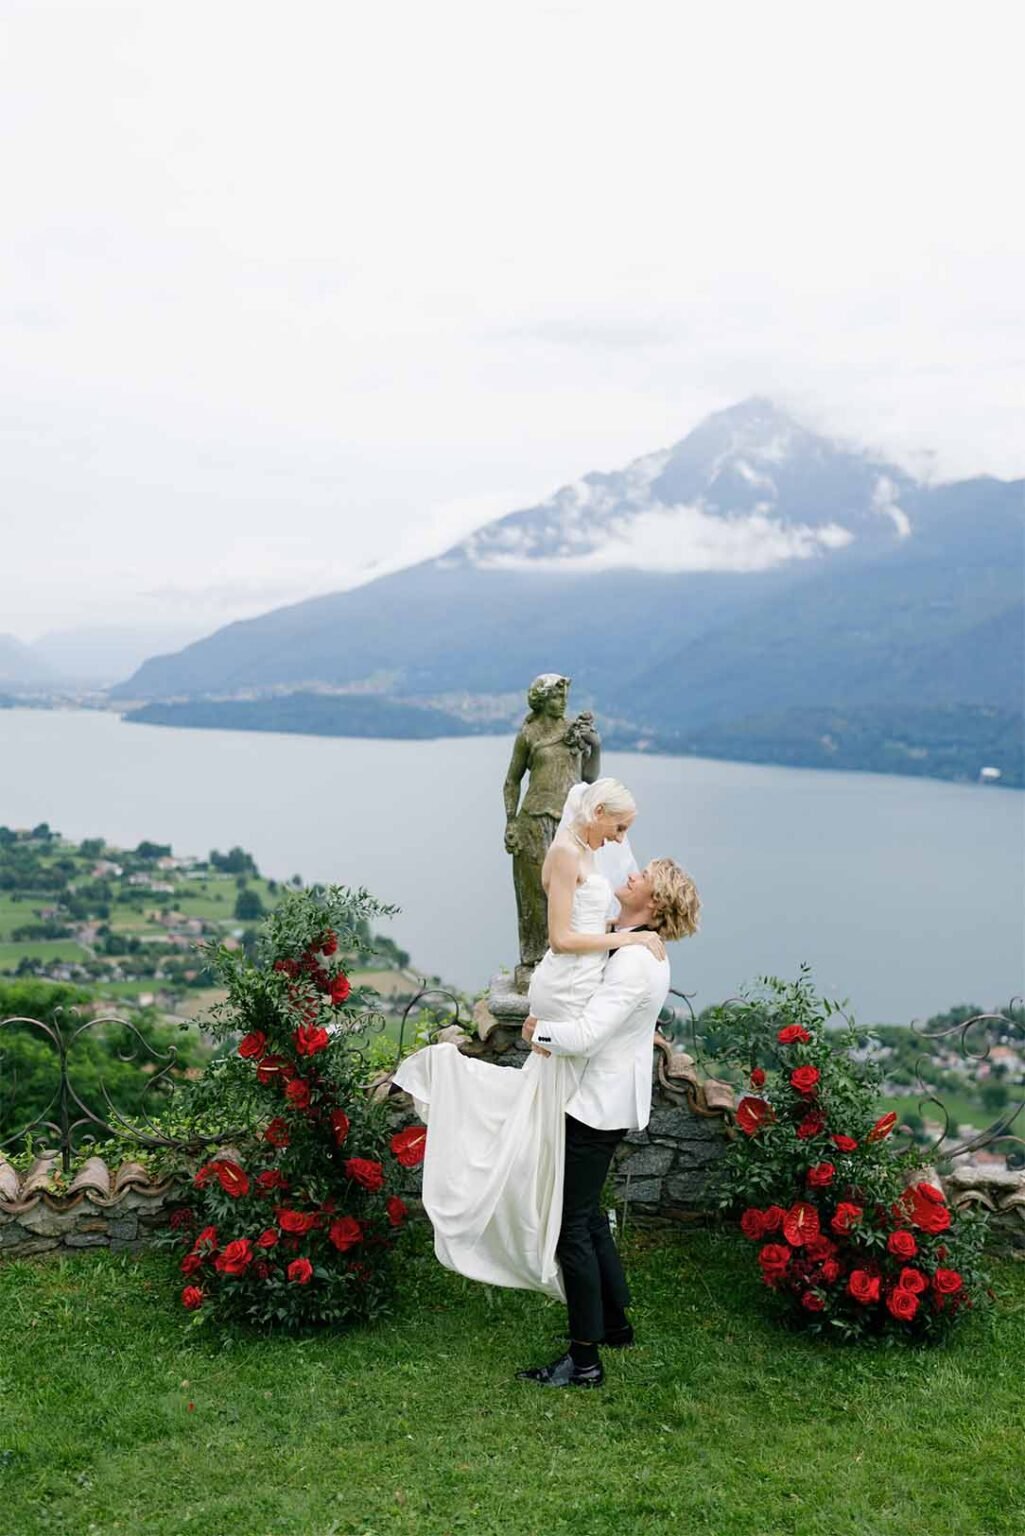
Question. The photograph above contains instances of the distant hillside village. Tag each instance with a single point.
(128, 923)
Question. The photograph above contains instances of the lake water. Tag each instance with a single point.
(904, 895)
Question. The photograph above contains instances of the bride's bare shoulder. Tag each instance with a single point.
(561, 860)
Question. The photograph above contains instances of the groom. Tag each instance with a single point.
(614, 1036)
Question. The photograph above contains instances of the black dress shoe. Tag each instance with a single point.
(564, 1373)
(619, 1338)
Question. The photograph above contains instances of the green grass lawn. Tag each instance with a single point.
(116, 1415)
(40, 949)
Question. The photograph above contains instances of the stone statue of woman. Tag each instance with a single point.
(557, 753)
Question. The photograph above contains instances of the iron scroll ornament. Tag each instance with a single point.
(1001, 1129)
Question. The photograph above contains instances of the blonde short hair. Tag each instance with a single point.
(674, 899)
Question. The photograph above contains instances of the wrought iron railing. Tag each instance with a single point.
(1000, 1132)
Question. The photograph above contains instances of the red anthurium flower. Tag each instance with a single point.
(947, 1282)
(277, 1133)
(274, 1069)
(339, 1125)
(800, 1223)
(410, 1145)
(863, 1286)
(397, 1210)
(757, 1077)
(844, 1143)
(928, 1208)
(902, 1303)
(752, 1224)
(364, 1171)
(298, 1093)
(296, 1222)
(192, 1297)
(883, 1126)
(902, 1244)
(752, 1114)
(308, 1039)
(345, 1233)
(253, 1044)
(804, 1079)
(821, 1175)
(340, 989)
(847, 1216)
(236, 1258)
(300, 1271)
(232, 1179)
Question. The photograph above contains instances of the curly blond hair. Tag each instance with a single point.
(675, 900)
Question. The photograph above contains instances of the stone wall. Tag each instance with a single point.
(97, 1209)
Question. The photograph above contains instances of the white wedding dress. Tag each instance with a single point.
(493, 1170)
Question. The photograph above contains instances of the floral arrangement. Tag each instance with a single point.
(853, 1234)
(299, 1226)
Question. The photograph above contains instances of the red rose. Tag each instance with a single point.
(812, 1301)
(345, 1233)
(902, 1303)
(340, 989)
(277, 1132)
(863, 1286)
(883, 1126)
(752, 1224)
(271, 1178)
(236, 1258)
(791, 1033)
(288, 967)
(410, 1145)
(811, 1125)
(203, 1175)
(192, 1297)
(821, 1175)
(773, 1216)
(913, 1280)
(206, 1239)
(947, 1282)
(830, 1271)
(298, 1093)
(804, 1079)
(308, 1039)
(274, 1069)
(397, 1211)
(267, 1238)
(847, 1216)
(261, 1270)
(800, 1223)
(190, 1263)
(752, 1114)
(300, 1271)
(757, 1077)
(339, 1125)
(820, 1247)
(902, 1244)
(296, 1222)
(844, 1143)
(180, 1218)
(329, 943)
(364, 1171)
(253, 1044)
(773, 1258)
(232, 1179)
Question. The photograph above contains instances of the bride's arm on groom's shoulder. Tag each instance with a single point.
(563, 869)
(609, 1008)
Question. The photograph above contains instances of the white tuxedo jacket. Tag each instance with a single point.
(614, 1035)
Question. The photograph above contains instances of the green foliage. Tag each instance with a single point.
(301, 1229)
(823, 1187)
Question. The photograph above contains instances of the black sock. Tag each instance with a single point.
(583, 1354)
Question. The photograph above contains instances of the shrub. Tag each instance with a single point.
(298, 1222)
(853, 1235)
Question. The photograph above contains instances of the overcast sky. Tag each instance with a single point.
(291, 290)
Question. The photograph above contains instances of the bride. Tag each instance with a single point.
(493, 1170)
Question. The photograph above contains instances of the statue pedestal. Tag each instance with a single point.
(498, 1019)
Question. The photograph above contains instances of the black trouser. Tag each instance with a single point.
(596, 1288)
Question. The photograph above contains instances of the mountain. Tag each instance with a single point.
(752, 570)
(19, 667)
(100, 654)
